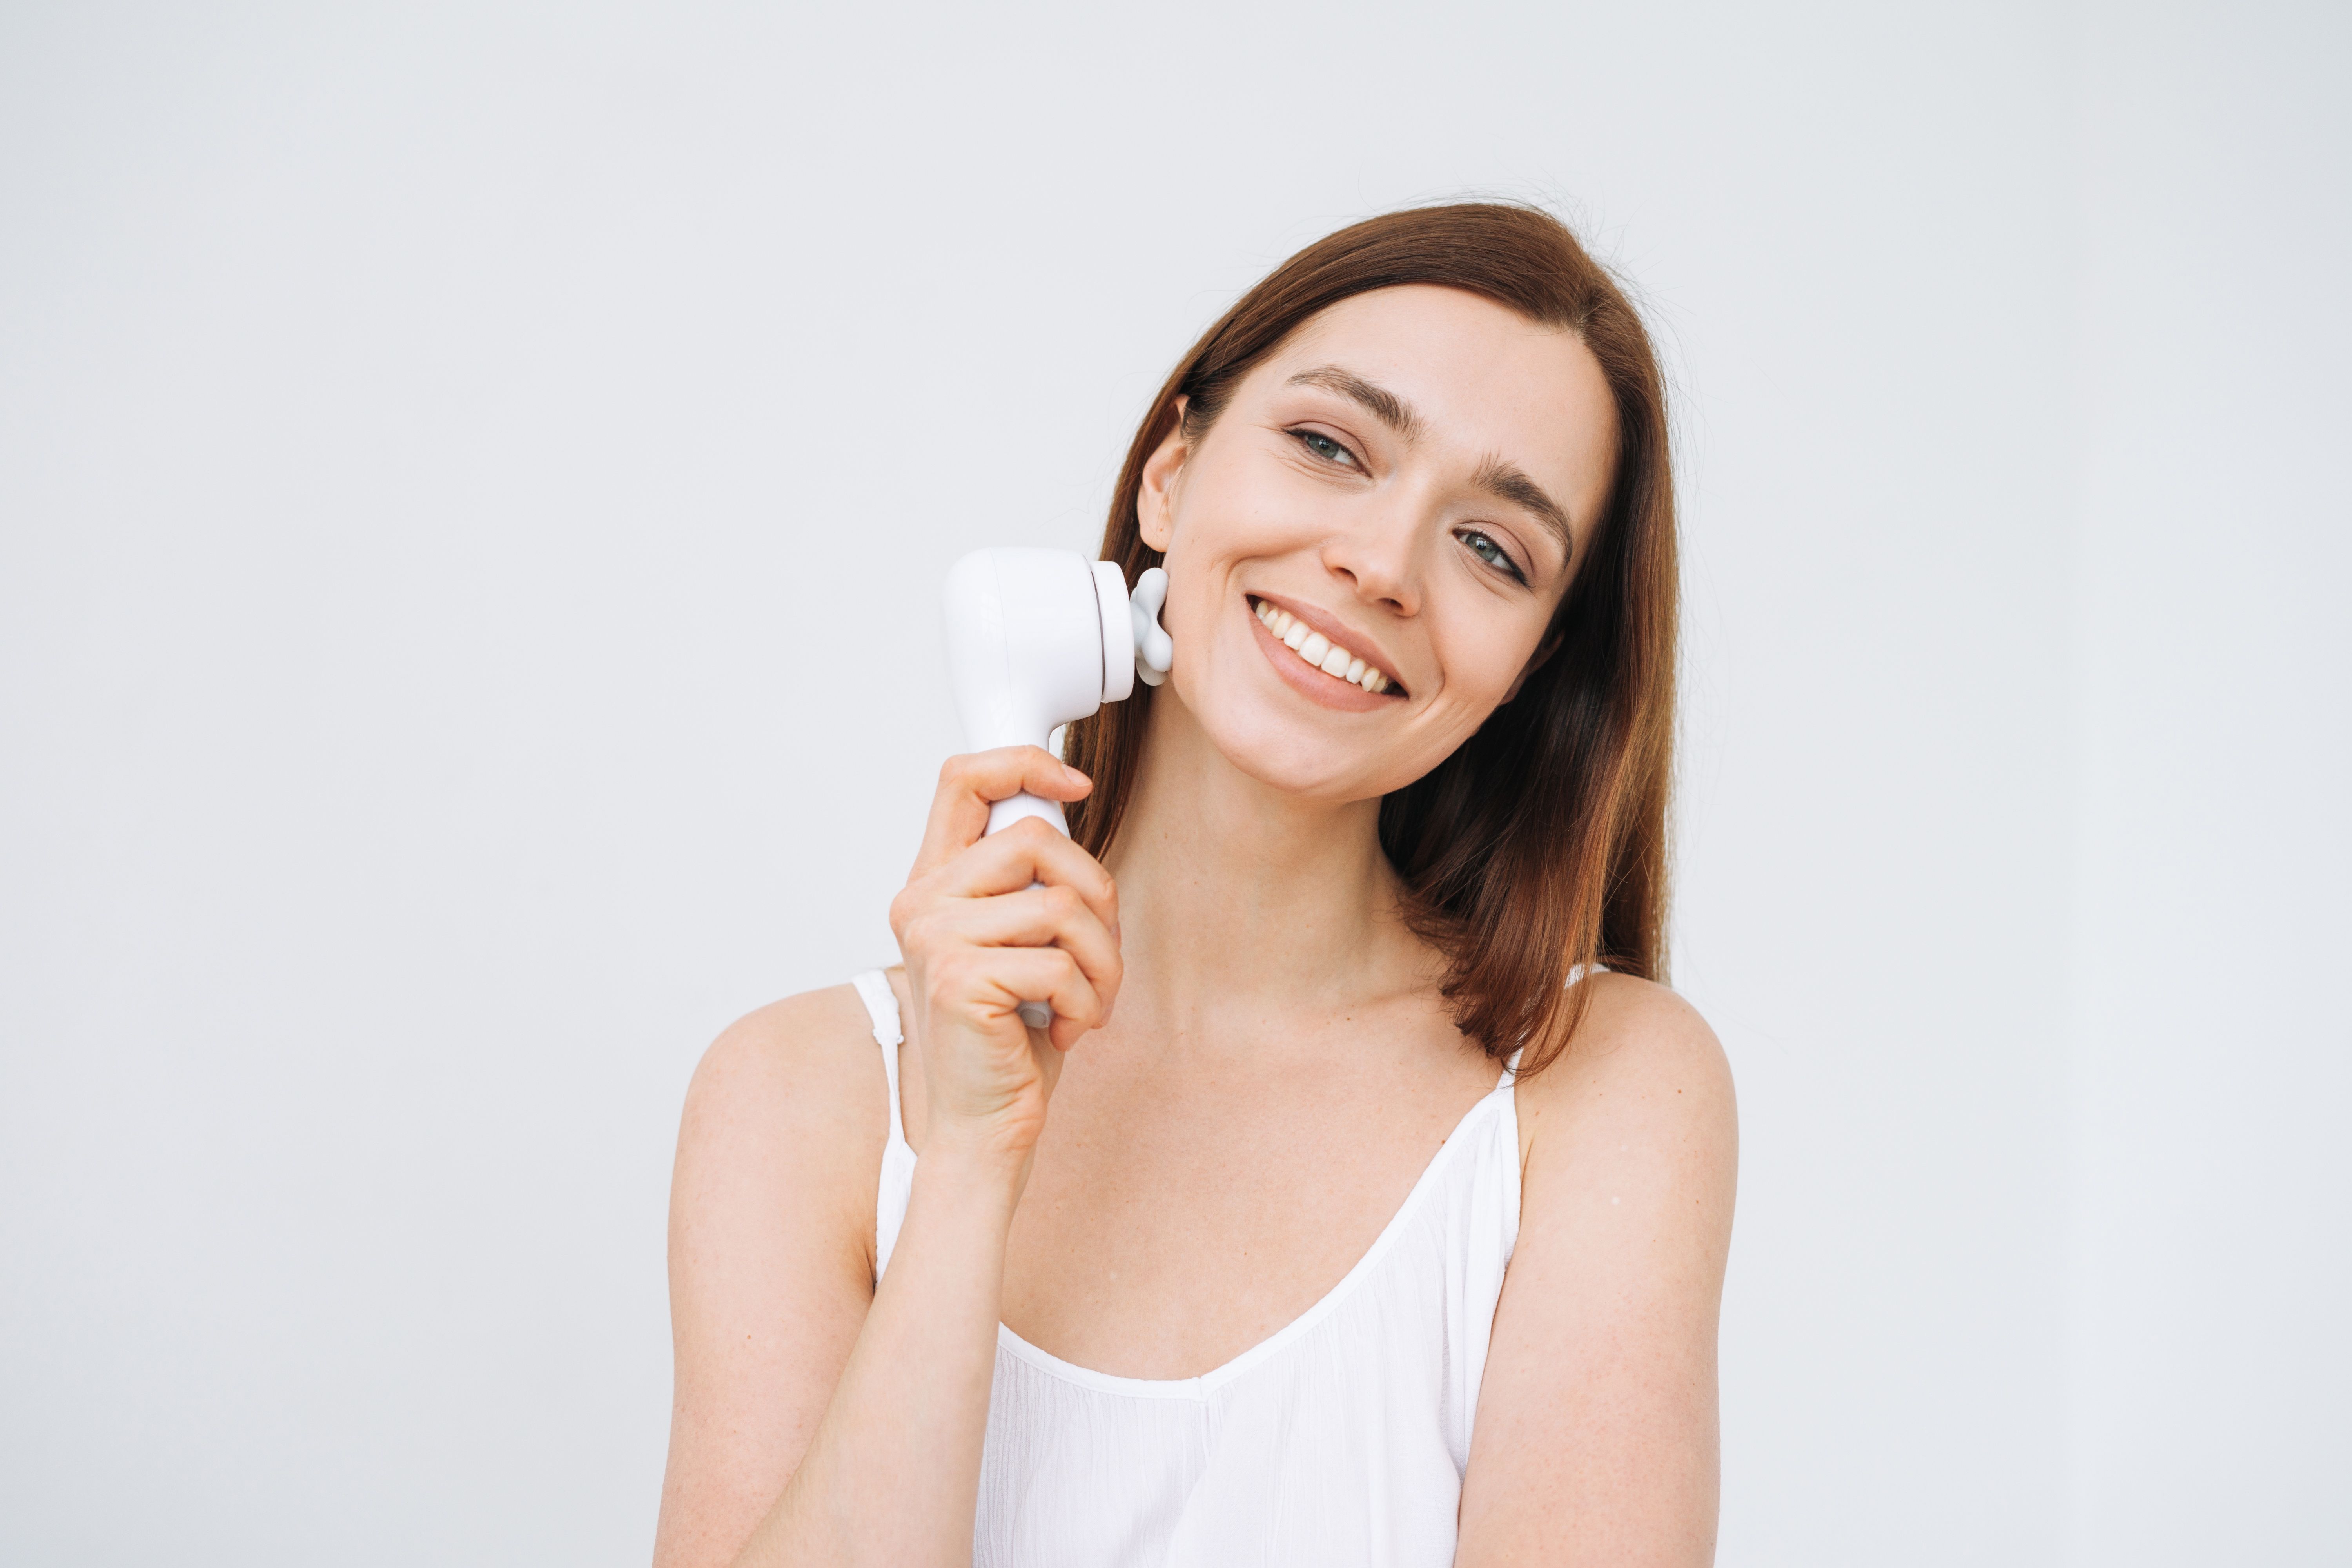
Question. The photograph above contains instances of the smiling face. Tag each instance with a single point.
(1410, 481)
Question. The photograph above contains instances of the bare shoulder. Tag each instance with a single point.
(1642, 1063)
(788, 1101)
(809, 1059)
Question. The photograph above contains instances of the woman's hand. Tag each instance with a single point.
(978, 940)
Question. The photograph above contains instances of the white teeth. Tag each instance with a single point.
(1315, 649)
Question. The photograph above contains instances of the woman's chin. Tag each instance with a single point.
(1282, 753)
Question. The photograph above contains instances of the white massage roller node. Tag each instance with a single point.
(1040, 638)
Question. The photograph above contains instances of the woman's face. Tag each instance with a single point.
(1414, 476)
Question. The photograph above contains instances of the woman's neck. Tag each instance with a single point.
(1234, 891)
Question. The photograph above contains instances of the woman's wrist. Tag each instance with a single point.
(981, 1169)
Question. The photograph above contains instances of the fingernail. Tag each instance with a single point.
(1076, 776)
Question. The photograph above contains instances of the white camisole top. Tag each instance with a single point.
(1341, 1440)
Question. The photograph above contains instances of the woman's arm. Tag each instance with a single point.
(814, 1424)
(1596, 1436)
(771, 1258)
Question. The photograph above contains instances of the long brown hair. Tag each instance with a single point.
(1540, 843)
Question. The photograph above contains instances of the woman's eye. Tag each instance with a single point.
(1324, 448)
(1492, 554)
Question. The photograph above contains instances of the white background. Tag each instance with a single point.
(473, 492)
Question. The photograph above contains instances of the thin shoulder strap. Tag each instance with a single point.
(882, 1007)
(895, 1184)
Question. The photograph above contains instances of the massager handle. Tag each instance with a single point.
(1004, 813)
(1040, 638)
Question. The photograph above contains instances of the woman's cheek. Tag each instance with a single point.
(1499, 666)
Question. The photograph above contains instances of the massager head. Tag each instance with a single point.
(1040, 638)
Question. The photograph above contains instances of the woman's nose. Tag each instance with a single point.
(1379, 557)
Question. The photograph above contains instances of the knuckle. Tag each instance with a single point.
(951, 971)
(916, 934)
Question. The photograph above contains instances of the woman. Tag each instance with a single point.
(1366, 1201)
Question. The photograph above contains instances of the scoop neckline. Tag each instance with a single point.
(1201, 1385)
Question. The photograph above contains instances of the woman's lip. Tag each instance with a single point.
(1313, 684)
(1333, 633)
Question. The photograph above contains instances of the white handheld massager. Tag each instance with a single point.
(1040, 638)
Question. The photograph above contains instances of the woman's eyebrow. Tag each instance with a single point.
(1508, 481)
(1382, 405)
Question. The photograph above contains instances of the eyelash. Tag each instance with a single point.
(1309, 441)
(1504, 560)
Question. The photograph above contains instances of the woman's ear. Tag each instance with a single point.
(1550, 647)
(1155, 503)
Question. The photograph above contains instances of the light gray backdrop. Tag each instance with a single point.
(474, 484)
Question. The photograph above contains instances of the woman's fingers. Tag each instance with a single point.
(1028, 851)
(989, 923)
(1024, 915)
(1024, 854)
(1038, 917)
(1013, 975)
(970, 783)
